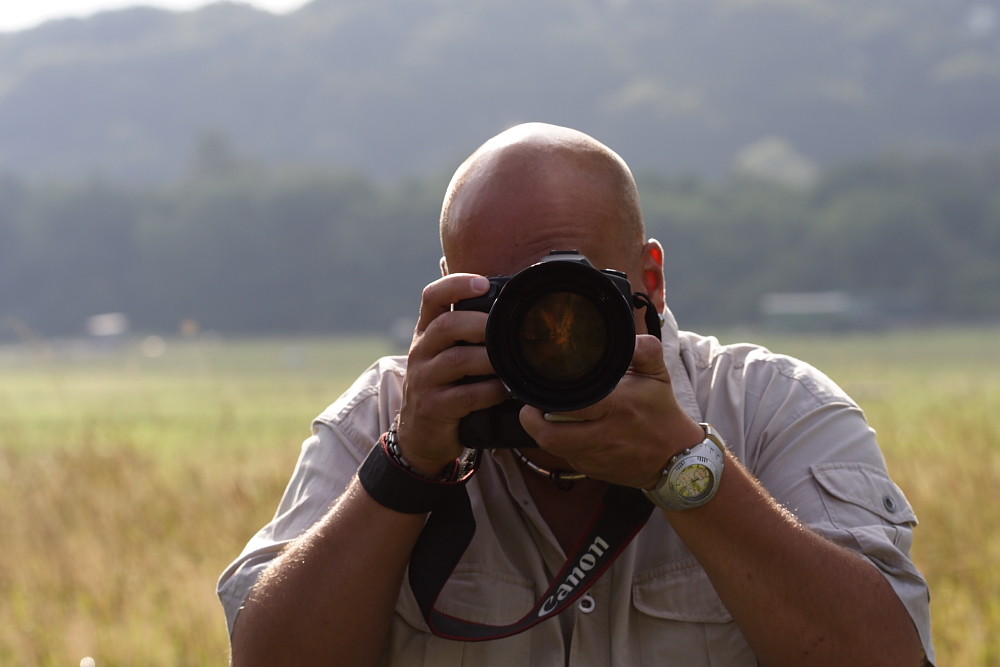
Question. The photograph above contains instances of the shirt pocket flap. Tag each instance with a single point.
(866, 486)
(479, 594)
(679, 591)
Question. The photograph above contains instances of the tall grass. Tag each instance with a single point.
(128, 482)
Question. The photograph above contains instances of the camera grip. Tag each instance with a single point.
(498, 427)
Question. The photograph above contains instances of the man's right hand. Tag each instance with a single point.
(433, 401)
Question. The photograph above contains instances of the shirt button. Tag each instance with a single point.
(587, 603)
(889, 503)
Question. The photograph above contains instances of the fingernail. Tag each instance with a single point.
(480, 284)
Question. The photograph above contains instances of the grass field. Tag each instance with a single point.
(130, 476)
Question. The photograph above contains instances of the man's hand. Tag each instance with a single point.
(433, 403)
(627, 437)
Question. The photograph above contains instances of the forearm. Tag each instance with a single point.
(329, 598)
(798, 598)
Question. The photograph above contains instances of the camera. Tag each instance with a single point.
(560, 335)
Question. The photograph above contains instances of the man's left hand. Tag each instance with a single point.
(628, 437)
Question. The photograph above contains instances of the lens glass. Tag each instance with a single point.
(562, 336)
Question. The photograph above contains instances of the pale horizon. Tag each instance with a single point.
(17, 16)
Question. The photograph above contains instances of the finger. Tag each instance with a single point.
(447, 330)
(648, 356)
(438, 296)
(553, 430)
(646, 360)
(459, 400)
(450, 363)
(565, 427)
(591, 412)
(562, 417)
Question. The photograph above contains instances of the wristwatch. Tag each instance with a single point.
(692, 477)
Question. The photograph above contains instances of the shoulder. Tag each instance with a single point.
(368, 406)
(756, 370)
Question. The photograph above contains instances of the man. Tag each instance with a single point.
(799, 558)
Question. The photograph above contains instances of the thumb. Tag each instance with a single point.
(648, 356)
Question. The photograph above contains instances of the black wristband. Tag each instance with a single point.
(393, 486)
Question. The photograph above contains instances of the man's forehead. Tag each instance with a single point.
(503, 245)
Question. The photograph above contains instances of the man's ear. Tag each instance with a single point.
(653, 281)
(443, 263)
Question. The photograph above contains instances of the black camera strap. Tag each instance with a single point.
(449, 530)
(652, 318)
(451, 525)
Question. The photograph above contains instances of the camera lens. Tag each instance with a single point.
(562, 337)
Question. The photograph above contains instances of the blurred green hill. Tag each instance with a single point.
(393, 88)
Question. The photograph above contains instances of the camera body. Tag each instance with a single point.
(560, 335)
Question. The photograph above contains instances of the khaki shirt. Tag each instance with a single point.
(803, 438)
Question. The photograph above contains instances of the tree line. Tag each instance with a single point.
(240, 248)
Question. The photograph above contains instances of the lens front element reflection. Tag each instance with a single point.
(562, 336)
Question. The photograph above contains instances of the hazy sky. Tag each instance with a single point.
(20, 14)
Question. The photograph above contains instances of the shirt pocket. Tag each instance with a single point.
(681, 620)
(479, 594)
(856, 495)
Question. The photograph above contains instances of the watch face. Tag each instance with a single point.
(694, 481)
(692, 477)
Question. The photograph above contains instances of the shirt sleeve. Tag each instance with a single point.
(341, 438)
(312, 490)
(810, 445)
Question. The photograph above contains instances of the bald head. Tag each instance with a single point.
(534, 186)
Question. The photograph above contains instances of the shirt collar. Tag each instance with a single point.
(679, 378)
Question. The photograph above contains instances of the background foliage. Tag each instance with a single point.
(240, 248)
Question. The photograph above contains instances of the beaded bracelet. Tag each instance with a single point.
(392, 482)
(449, 474)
